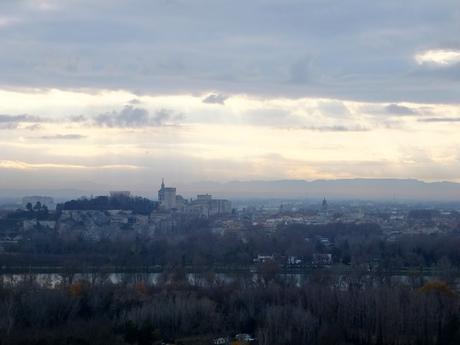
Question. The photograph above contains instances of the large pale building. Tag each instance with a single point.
(167, 197)
(206, 206)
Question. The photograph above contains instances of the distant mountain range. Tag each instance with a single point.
(362, 189)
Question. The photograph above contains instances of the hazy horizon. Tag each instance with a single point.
(380, 190)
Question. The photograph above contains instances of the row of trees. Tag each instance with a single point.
(136, 204)
(36, 211)
(353, 245)
(275, 312)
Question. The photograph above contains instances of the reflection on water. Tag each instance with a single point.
(52, 280)
(340, 281)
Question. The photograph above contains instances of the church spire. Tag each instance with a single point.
(324, 204)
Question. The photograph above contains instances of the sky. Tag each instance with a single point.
(117, 94)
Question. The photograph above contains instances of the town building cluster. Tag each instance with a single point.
(120, 214)
(204, 205)
(111, 216)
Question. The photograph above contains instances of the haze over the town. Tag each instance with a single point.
(119, 94)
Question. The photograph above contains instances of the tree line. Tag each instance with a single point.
(137, 204)
(274, 311)
(351, 245)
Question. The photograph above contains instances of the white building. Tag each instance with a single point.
(205, 206)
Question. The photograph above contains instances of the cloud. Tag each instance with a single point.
(164, 117)
(19, 118)
(34, 127)
(9, 125)
(134, 101)
(215, 99)
(10, 122)
(131, 117)
(441, 119)
(127, 117)
(396, 109)
(77, 118)
(63, 137)
(392, 109)
(21, 165)
(333, 108)
(338, 128)
(309, 52)
(438, 57)
(272, 117)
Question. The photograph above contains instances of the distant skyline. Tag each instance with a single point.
(378, 190)
(119, 94)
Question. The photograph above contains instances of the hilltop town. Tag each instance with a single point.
(303, 234)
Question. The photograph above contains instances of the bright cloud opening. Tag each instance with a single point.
(438, 57)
